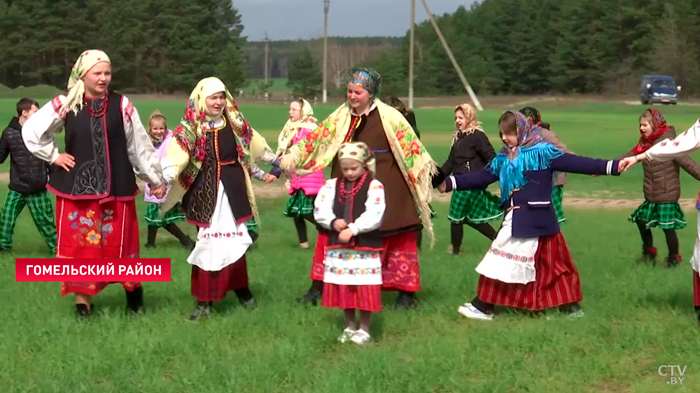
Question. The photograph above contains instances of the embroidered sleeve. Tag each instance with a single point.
(684, 143)
(38, 131)
(375, 206)
(142, 154)
(256, 172)
(323, 205)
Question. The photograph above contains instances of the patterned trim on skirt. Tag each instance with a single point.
(300, 204)
(557, 281)
(400, 264)
(88, 229)
(557, 202)
(474, 206)
(213, 286)
(664, 215)
(154, 219)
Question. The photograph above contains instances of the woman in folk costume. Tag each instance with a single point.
(471, 151)
(662, 188)
(303, 189)
(669, 150)
(93, 178)
(208, 165)
(528, 265)
(351, 208)
(559, 177)
(403, 166)
(160, 136)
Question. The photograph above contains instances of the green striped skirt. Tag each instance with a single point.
(154, 219)
(557, 197)
(300, 204)
(664, 215)
(474, 206)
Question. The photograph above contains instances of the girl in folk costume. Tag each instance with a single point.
(208, 165)
(662, 188)
(160, 136)
(93, 178)
(404, 167)
(669, 150)
(303, 189)
(351, 208)
(528, 265)
(471, 151)
(559, 178)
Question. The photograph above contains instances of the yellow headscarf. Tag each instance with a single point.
(358, 151)
(76, 86)
(470, 118)
(307, 120)
(186, 148)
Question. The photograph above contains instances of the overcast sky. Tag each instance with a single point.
(354, 18)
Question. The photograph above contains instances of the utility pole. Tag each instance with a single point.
(267, 52)
(326, 5)
(411, 54)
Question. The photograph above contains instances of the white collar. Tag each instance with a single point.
(371, 108)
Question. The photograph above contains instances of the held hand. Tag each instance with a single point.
(269, 178)
(345, 235)
(65, 161)
(626, 163)
(159, 192)
(339, 225)
(442, 187)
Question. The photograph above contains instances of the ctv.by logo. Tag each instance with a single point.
(674, 372)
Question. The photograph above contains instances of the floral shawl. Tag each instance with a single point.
(320, 147)
(307, 121)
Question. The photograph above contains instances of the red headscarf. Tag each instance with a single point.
(660, 127)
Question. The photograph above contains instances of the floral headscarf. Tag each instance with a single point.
(307, 121)
(470, 118)
(369, 79)
(660, 128)
(358, 151)
(76, 86)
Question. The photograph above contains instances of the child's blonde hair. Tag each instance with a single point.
(159, 116)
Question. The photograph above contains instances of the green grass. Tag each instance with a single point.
(637, 317)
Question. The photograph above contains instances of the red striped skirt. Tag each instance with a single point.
(557, 281)
(213, 286)
(696, 288)
(87, 229)
(361, 297)
(400, 265)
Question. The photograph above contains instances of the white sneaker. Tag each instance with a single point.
(469, 311)
(361, 337)
(346, 335)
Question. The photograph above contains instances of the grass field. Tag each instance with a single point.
(637, 317)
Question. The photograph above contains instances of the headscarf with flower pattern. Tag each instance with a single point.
(659, 128)
(369, 79)
(533, 153)
(469, 118)
(358, 151)
(187, 148)
(307, 121)
(76, 86)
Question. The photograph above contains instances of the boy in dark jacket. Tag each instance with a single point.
(28, 178)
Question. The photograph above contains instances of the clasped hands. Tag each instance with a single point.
(344, 233)
(628, 162)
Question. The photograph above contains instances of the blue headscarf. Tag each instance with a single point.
(533, 153)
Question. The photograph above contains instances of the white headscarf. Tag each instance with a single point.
(76, 86)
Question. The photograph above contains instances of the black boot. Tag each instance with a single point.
(314, 294)
(134, 300)
(245, 298)
(673, 260)
(406, 300)
(648, 255)
(202, 310)
(83, 311)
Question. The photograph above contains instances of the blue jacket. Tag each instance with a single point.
(533, 213)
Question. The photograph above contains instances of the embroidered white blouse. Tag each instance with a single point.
(38, 134)
(684, 143)
(371, 219)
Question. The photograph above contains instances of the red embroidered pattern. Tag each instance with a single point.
(507, 255)
(129, 110)
(217, 235)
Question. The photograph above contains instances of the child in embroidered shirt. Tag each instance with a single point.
(160, 137)
(352, 208)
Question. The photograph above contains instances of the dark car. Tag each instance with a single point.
(657, 89)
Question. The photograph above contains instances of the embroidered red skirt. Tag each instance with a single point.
(361, 297)
(696, 288)
(213, 286)
(400, 265)
(87, 229)
(557, 282)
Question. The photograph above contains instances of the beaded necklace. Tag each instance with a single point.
(99, 112)
(346, 196)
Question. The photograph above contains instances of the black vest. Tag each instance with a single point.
(98, 144)
(349, 212)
